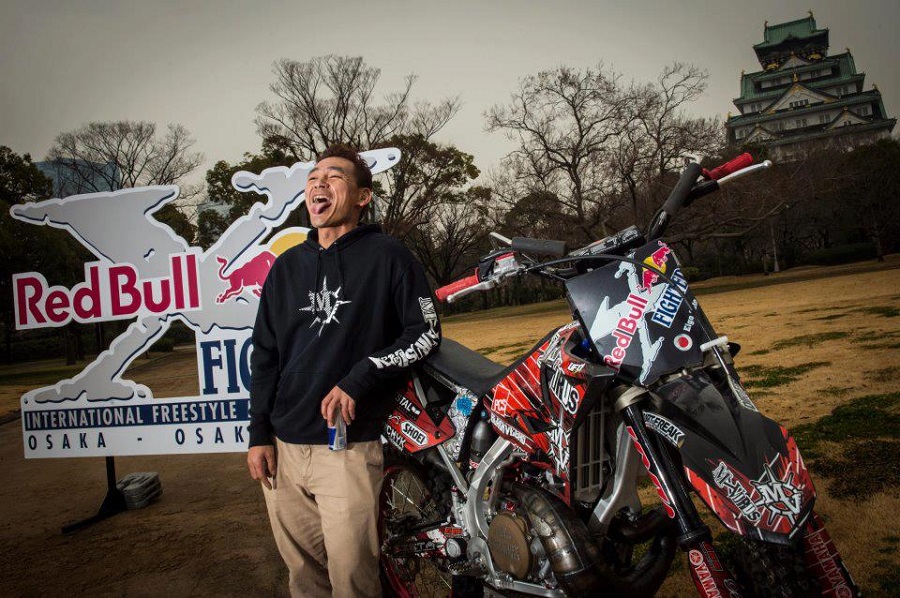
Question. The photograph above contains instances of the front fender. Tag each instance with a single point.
(744, 466)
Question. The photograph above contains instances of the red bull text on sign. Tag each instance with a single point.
(110, 292)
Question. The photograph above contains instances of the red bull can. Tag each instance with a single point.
(337, 434)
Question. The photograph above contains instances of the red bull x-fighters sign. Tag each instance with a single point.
(146, 273)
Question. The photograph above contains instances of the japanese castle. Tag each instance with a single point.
(803, 99)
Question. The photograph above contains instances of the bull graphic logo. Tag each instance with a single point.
(638, 303)
(252, 274)
(119, 229)
(658, 260)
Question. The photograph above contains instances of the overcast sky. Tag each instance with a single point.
(207, 63)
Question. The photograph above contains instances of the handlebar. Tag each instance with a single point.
(676, 200)
(539, 246)
(445, 292)
(497, 266)
(742, 161)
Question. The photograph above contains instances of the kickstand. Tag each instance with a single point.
(113, 503)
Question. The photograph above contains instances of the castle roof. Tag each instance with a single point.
(801, 29)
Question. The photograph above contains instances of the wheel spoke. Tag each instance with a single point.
(406, 504)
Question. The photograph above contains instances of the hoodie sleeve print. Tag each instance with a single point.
(421, 336)
(263, 372)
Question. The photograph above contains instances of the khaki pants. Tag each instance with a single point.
(324, 514)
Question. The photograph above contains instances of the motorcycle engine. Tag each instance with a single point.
(510, 544)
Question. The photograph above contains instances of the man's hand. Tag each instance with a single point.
(336, 400)
(261, 462)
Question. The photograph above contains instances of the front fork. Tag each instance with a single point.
(824, 562)
(707, 571)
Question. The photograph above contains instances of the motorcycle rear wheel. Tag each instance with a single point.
(406, 502)
(767, 570)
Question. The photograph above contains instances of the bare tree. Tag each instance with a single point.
(659, 134)
(331, 99)
(672, 133)
(101, 156)
(429, 176)
(565, 122)
(449, 243)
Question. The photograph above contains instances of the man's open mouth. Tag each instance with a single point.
(318, 204)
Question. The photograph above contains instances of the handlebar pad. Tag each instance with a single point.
(539, 246)
(742, 161)
(676, 198)
(456, 286)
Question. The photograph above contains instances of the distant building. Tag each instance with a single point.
(804, 99)
(74, 177)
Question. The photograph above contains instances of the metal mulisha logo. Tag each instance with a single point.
(421, 347)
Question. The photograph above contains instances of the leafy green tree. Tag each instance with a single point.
(211, 223)
(428, 176)
(26, 247)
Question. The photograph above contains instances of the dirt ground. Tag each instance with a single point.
(208, 534)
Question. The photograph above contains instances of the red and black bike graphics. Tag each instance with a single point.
(640, 362)
(742, 464)
(778, 500)
(536, 405)
(823, 560)
(410, 428)
(710, 577)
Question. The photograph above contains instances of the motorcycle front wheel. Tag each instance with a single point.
(406, 507)
(767, 570)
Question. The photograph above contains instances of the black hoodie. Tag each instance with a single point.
(356, 315)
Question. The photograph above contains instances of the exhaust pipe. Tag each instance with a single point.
(573, 556)
(641, 530)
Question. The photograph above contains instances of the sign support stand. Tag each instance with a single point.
(112, 504)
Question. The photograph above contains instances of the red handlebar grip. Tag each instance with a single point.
(456, 286)
(742, 161)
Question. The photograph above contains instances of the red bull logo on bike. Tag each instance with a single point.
(625, 330)
(658, 260)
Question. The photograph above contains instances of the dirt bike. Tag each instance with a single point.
(528, 479)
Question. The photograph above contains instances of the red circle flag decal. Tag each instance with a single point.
(684, 342)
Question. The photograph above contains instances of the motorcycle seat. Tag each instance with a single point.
(465, 367)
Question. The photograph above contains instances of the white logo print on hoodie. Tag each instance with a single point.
(324, 306)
